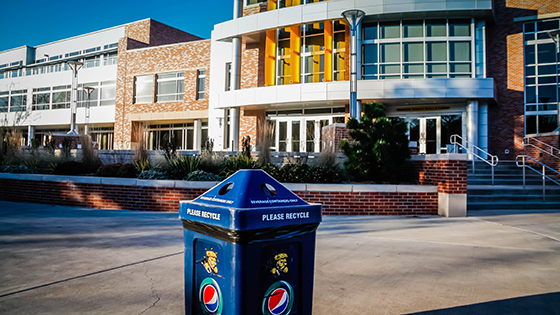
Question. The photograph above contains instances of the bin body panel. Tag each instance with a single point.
(257, 260)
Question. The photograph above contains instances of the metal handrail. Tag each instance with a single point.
(493, 158)
(527, 142)
(544, 176)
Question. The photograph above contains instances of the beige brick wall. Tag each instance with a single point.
(189, 57)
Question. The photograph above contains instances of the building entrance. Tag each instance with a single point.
(432, 134)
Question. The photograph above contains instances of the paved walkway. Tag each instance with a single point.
(68, 260)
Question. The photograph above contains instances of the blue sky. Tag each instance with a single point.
(38, 22)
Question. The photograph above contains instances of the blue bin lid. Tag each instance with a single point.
(247, 200)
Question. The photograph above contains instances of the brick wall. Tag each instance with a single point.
(449, 175)
(187, 55)
(505, 65)
(390, 200)
(255, 8)
(333, 134)
(553, 140)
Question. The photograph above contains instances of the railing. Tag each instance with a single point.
(527, 143)
(544, 168)
(493, 158)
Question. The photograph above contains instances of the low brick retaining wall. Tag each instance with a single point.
(164, 195)
(441, 189)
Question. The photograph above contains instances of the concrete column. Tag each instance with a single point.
(234, 129)
(30, 135)
(197, 135)
(472, 127)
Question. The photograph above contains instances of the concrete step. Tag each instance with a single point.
(502, 190)
(527, 205)
(513, 182)
(513, 198)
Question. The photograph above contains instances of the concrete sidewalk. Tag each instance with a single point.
(67, 260)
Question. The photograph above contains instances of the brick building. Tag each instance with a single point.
(485, 70)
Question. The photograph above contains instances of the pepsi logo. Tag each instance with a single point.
(278, 301)
(210, 297)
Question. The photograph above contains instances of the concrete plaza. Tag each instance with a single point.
(69, 260)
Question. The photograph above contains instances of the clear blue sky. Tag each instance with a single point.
(39, 22)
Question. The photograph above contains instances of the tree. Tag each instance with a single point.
(379, 146)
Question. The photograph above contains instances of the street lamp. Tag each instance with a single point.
(75, 66)
(555, 35)
(88, 90)
(354, 17)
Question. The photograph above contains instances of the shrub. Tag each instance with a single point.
(108, 170)
(235, 163)
(90, 158)
(66, 147)
(127, 171)
(20, 169)
(202, 176)
(181, 167)
(69, 168)
(152, 174)
(380, 145)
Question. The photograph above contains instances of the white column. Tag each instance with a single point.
(197, 135)
(30, 135)
(472, 127)
(234, 129)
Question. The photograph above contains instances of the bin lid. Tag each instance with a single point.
(248, 200)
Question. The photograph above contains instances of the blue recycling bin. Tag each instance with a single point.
(249, 248)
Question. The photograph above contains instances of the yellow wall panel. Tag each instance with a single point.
(295, 45)
(328, 51)
(270, 61)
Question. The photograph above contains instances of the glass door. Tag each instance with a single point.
(432, 134)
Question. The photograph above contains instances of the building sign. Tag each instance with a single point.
(422, 108)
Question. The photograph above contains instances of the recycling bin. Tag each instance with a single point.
(249, 248)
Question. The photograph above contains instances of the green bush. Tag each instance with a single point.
(235, 163)
(108, 170)
(152, 174)
(202, 176)
(181, 167)
(20, 169)
(127, 171)
(70, 168)
(380, 146)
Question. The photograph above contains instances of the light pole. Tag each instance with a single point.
(88, 90)
(75, 66)
(354, 18)
(555, 35)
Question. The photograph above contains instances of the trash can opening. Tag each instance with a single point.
(268, 190)
(226, 188)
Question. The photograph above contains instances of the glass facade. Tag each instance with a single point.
(170, 87)
(542, 91)
(418, 49)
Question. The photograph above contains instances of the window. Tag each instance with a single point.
(91, 62)
(4, 101)
(111, 46)
(41, 98)
(313, 40)
(418, 49)
(110, 59)
(541, 77)
(144, 89)
(284, 52)
(201, 82)
(61, 97)
(83, 99)
(339, 52)
(18, 100)
(228, 76)
(170, 87)
(108, 93)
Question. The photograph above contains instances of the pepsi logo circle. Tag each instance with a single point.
(278, 299)
(210, 297)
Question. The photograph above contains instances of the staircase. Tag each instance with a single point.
(508, 191)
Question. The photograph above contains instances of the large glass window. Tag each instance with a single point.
(541, 77)
(417, 49)
(4, 101)
(313, 38)
(200, 84)
(85, 100)
(61, 97)
(110, 59)
(18, 100)
(41, 98)
(339, 52)
(170, 87)
(108, 93)
(144, 89)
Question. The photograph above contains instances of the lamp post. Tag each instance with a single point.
(88, 90)
(555, 35)
(354, 18)
(75, 66)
